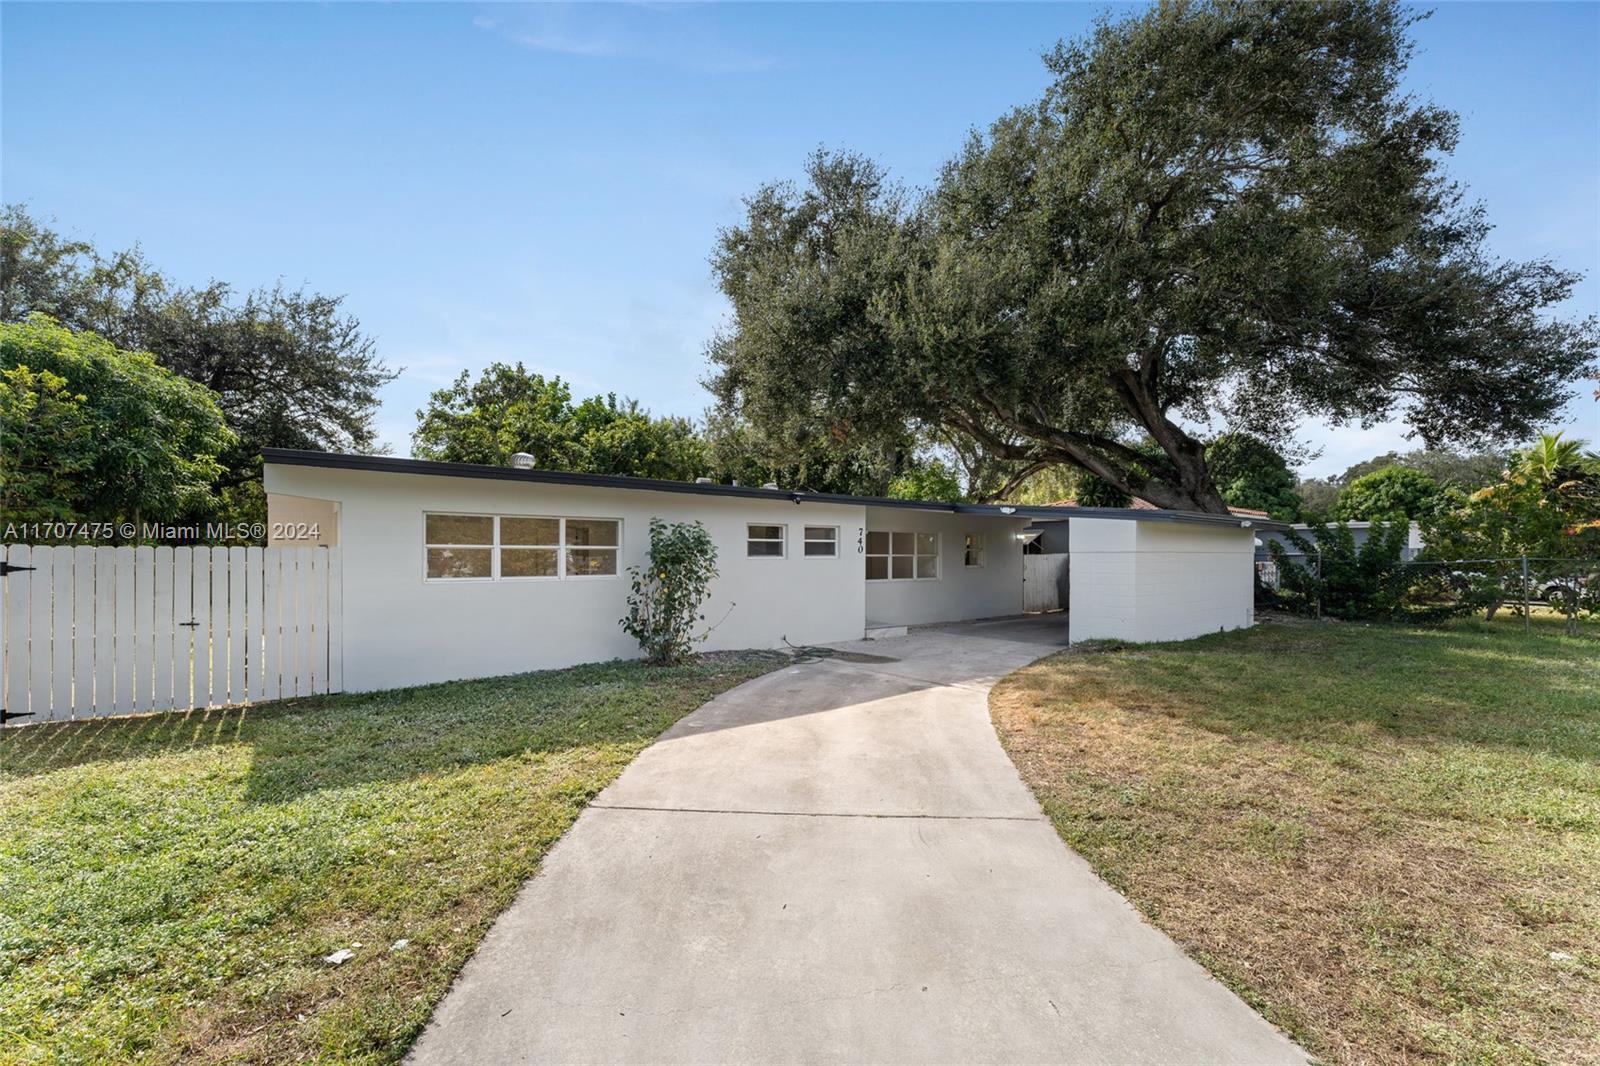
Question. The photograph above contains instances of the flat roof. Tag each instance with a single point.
(385, 464)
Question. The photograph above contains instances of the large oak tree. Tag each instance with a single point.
(1218, 213)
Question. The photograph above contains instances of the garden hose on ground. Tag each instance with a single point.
(807, 653)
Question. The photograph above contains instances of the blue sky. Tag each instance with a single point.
(544, 183)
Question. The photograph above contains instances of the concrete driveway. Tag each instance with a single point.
(836, 863)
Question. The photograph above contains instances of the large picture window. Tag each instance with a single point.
(508, 547)
(899, 556)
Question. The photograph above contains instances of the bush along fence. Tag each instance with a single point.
(93, 631)
(1332, 575)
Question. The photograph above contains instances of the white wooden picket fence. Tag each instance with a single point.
(93, 631)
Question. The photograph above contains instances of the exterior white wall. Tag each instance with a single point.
(1103, 601)
(402, 630)
(960, 592)
(1150, 581)
(295, 517)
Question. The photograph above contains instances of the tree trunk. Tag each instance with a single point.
(1194, 490)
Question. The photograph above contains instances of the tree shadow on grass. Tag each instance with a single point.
(303, 745)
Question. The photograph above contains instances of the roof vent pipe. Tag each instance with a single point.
(522, 461)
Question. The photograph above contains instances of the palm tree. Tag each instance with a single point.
(1558, 464)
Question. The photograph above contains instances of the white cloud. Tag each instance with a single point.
(632, 31)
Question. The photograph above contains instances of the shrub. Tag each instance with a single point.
(1369, 581)
(666, 595)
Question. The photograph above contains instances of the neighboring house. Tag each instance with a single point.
(455, 570)
(1359, 532)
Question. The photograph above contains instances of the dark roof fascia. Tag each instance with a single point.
(1141, 514)
(391, 465)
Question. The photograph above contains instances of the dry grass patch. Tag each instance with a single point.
(170, 886)
(1387, 839)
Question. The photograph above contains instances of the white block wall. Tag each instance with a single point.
(401, 630)
(992, 590)
(1151, 581)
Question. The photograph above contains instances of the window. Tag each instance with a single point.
(530, 547)
(822, 542)
(764, 542)
(894, 556)
(591, 547)
(974, 549)
(490, 547)
(460, 546)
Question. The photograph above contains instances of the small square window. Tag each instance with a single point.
(822, 542)
(764, 541)
(974, 549)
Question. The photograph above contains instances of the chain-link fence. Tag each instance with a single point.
(1439, 588)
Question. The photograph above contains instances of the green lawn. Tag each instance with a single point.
(1385, 838)
(170, 885)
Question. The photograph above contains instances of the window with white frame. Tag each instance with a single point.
(495, 547)
(974, 554)
(460, 546)
(822, 542)
(898, 556)
(764, 541)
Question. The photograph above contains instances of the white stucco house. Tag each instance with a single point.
(455, 570)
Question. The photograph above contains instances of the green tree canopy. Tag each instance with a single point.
(1318, 497)
(1465, 470)
(1251, 473)
(1217, 210)
(1546, 505)
(928, 480)
(291, 369)
(119, 437)
(1394, 490)
(812, 461)
(509, 410)
(46, 441)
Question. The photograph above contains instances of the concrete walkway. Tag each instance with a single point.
(836, 863)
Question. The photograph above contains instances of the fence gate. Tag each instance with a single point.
(93, 631)
(1042, 579)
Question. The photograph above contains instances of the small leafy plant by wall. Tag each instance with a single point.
(667, 593)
